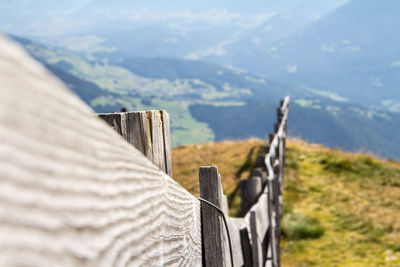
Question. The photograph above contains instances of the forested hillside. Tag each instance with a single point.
(207, 102)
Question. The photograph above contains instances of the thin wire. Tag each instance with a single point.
(226, 225)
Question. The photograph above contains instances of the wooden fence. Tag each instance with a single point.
(255, 238)
(74, 193)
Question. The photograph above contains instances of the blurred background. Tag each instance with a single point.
(224, 63)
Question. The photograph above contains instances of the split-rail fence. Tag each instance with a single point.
(75, 192)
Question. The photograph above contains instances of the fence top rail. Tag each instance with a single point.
(275, 141)
(285, 103)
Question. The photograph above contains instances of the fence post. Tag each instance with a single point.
(260, 172)
(272, 226)
(255, 250)
(246, 248)
(250, 191)
(167, 141)
(157, 138)
(114, 120)
(211, 190)
(148, 131)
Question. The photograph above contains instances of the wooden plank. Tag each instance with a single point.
(255, 246)
(260, 172)
(276, 127)
(260, 161)
(149, 132)
(114, 120)
(277, 216)
(271, 137)
(211, 190)
(225, 205)
(246, 248)
(235, 224)
(167, 142)
(261, 208)
(250, 190)
(146, 135)
(124, 125)
(269, 262)
(157, 138)
(272, 223)
(279, 114)
(73, 193)
(134, 131)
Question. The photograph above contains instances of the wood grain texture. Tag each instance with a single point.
(157, 138)
(147, 131)
(255, 242)
(134, 129)
(167, 142)
(211, 190)
(72, 191)
(235, 225)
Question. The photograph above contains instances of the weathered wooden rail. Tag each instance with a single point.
(74, 193)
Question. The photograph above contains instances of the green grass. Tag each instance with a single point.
(296, 226)
(342, 209)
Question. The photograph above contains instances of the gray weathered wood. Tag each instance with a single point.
(255, 245)
(260, 161)
(72, 191)
(124, 125)
(148, 131)
(157, 138)
(235, 224)
(246, 248)
(167, 142)
(225, 205)
(250, 190)
(135, 134)
(260, 172)
(279, 114)
(270, 138)
(211, 190)
(261, 208)
(145, 131)
(269, 262)
(276, 127)
(272, 223)
(114, 120)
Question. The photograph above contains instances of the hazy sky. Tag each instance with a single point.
(54, 18)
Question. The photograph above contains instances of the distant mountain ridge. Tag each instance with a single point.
(353, 52)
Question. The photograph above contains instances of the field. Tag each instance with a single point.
(341, 209)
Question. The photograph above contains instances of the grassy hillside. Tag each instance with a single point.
(341, 209)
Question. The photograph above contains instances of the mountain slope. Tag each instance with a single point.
(208, 102)
(335, 124)
(349, 196)
(352, 52)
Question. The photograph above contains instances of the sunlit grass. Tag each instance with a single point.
(341, 209)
